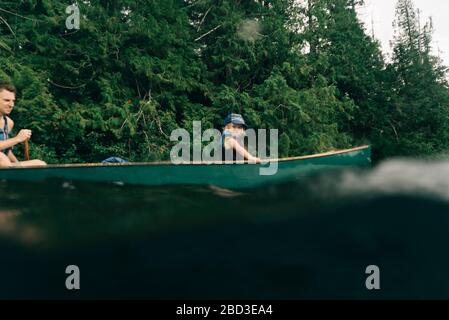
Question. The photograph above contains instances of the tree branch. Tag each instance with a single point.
(202, 20)
(210, 31)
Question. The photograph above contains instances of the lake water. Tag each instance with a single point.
(312, 238)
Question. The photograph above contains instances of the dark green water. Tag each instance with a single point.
(309, 239)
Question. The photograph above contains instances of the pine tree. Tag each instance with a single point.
(420, 91)
(119, 82)
(137, 69)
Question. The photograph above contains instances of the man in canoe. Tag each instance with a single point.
(7, 157)
(233, 133)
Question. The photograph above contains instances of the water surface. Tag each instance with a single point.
(312, 238)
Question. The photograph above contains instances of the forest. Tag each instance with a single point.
(137, 69)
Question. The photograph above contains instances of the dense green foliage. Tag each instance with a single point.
(137, 69)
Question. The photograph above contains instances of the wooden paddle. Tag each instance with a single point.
(27, 151)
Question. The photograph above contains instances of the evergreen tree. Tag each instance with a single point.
(137, 69)
(342, 52)
(119, 82)
(418, 114)
(253, 52)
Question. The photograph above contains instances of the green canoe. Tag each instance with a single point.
(225, 175)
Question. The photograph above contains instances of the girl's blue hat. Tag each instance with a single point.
(235, 118)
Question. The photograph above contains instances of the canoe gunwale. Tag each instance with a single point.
(81, 165)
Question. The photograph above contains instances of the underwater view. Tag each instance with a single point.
(310, 239)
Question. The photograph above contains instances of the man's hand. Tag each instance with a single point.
(23, 135)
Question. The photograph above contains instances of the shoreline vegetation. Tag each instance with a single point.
(136, 70)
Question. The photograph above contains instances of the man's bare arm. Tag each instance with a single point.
(5, 144)
(11, 155)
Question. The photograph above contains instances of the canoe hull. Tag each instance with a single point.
(232, 176)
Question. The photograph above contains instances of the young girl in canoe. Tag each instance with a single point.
(233, 133)
(7, 157)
